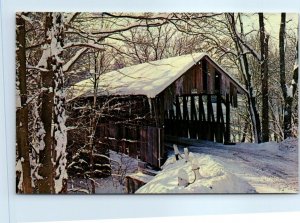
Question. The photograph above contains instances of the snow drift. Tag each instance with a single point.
(214, 178)
(242, 168)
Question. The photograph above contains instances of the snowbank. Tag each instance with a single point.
(268, 167)
(214, 178)
(242, 168)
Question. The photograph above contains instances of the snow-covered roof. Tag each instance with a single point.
(148, 79)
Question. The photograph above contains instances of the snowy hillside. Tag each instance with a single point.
(242, 168)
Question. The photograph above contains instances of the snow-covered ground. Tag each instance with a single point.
(214, 178)
(242, 168)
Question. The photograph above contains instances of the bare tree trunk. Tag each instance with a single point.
(93, 124)
(288, 91)
(282, 57)
(264, 39)
(59, 116)
(243, 60)
(256, 128)
(46, 170)
(22, 111)
(53, 156)
(287, 111)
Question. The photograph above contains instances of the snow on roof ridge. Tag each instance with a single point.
(150, 78)
(153, 77)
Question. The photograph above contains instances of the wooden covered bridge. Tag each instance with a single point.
(145, 104)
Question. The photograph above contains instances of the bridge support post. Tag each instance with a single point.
(227, 130)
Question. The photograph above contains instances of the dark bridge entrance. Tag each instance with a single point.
(199, 116)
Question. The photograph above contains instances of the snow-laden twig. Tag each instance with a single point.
(71, 62)
(30, 67)
(80, 44)
(248, 47)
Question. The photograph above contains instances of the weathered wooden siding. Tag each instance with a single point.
(210, 79)
(185, 116)
(199, 116)
(192, 82)
(152, 145)
(138, 134)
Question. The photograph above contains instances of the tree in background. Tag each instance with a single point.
(264, 59)
(288, 89)
(242, 48)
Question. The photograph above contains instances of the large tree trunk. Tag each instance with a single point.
(59, 119)
(264, 39)
(22, 110)
(53, 156)
(46, 170)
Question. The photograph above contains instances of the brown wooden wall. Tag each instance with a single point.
(139, 133)
(193, 82)
(200, 82)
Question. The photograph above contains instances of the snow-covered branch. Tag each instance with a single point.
(67, 66)
(30, 67)
(249, 47)
(126, 28)
(71, 18)
(80, 44)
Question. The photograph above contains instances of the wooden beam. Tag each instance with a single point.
(193, 123)
(185, 122)
(210, 111)
(201, 109)
(178, 110)
(227, 130)
(185, 108)
(219, 135)
(193, 109)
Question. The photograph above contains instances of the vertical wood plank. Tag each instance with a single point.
(210, 111)
(178, 110)
(193, 120)
(162, 146)
(142, 143)
(149, 155)
(227, 131)
(193, 108)
(218, 132)
(201, 109)
(185, 121)
(211, 119)
(178, 124)
(155, 147)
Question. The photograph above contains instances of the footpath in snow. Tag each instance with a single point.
(242, 168)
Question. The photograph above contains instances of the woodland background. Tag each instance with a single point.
(56, 50)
